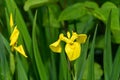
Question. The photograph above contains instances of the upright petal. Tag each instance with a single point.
(81, 38)
(20, 50)
(56, 47)
(14, 36)
(11, 21)
(73, 50)
(68, 34)
(74, 36)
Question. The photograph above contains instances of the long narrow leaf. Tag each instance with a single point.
(107, 56)
(116, 66)
(40, 66)
(4, 68)
(90, 75)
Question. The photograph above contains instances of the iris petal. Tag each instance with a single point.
(81, 38)
(56, 47)
(14, 36)
(20, 50)
(73, 50)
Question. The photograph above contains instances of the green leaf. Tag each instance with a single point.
(107, 56)
(50, 15)
(36, 3)
(77, 10)
(98, 13)
(90, 74)
(115, 25)
(105, 9)
(12, 63)
(39, 63)
(91, 5)
(115, 21)
(116, 66)
(73, 12)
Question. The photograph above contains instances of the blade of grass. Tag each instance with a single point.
(40, 66)
(116, 66)
(90, 74)
(107, 56)
(64, 67)
(4, 68)
(21, 74)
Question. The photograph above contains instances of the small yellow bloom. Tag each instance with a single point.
(20, 50)
(73, 44)
(14, 36)
(11, 21)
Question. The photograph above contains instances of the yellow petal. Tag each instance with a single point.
(11, 21)
(14, 36)
(73, 50)
(81, 38)
(20, 50)
(56, 47)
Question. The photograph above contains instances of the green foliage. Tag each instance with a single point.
(40, 23)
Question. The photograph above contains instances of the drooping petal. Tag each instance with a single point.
(20, 50)
(81, 38)
(14, 36)
(73, 50)
(11, 21)
(56, 47)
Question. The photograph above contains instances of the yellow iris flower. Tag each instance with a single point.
(14, 37)
(73, 44)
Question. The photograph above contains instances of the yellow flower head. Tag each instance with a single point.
(73, 44)
(14, 36)
(20, 50)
